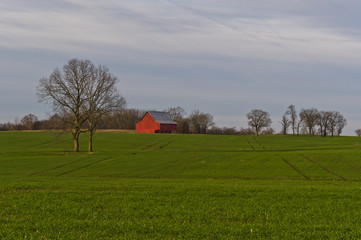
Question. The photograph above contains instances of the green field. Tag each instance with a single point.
(144, 186)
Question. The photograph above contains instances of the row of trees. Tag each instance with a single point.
(122, 118)
(314, 121)
(309, 120)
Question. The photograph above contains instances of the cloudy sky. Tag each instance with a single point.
(221, 57)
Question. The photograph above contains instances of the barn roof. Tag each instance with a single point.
(161, 117)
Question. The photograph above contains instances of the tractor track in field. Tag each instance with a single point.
(55, 168)
(82, 167)
(322, 167)
(165, 145)
(151, 145)
(255, 139)
(249, 144)
(293, 167)
(41, 144)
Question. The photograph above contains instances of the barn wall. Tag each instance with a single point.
(147, 125)
(168, 128)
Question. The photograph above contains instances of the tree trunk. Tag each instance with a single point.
(90, 141)
(76, 141)
(298, 129)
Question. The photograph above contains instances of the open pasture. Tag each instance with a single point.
(137, 186)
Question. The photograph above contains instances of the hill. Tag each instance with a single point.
(179, 186)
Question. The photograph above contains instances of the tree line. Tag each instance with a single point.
(309, 121)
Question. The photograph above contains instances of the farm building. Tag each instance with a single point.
(156, 122)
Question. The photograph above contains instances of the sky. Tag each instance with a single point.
(220, 57)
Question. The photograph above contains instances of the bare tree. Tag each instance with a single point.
(176, 113)
(66, 91)
(28, 121)
(309, 118)
(258, 119)
(80, 92)
(184, 125)
(324, 121)
(200, 122)
(341, 123)
(285, 122)
(291, 111)
(102, 97)
(358, 132)
(299, 123)
(337, 123)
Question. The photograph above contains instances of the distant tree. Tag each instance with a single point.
(124, 118)
(183, 126)
(229, 131)
(54, 122)
(246, 131)
(358, 132)
(258, 119)
(337, 123)
(309, 118)
(285, 122)
(28, 121)
(223, 131)
(299, 123)
(324, 121)
(4, 127)
(341, 123)
(268, 131)
(291, 111)
(200, 122)
(177, 114)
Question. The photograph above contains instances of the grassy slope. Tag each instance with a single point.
(179, 186)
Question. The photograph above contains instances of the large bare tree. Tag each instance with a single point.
(102, 97)
(258, 119)
(80, 92)
(65, 89)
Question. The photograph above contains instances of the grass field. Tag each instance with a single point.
(140, 186)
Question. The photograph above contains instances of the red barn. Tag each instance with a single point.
(156, 122)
